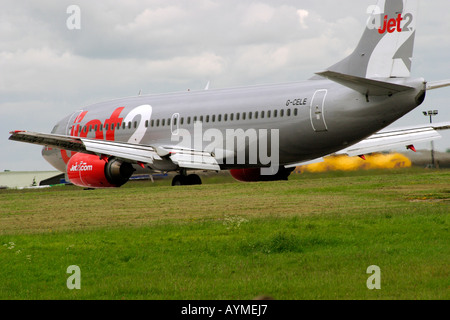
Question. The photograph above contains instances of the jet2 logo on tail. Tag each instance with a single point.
(391, 25)
(388, 25)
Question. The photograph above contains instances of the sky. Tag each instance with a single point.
(49, 69)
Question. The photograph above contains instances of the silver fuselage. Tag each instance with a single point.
(314, 118)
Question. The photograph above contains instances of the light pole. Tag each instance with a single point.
(431, 113)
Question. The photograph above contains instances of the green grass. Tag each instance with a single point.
(311, 237)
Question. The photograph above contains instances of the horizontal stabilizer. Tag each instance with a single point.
(365, 86)
(437, 84)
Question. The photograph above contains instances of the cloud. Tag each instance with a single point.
(153, 19)
(257, 14)
(302, 15)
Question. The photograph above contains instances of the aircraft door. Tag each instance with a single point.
(317, 111)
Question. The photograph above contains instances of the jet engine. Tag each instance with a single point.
(85, 170)
(254, 174)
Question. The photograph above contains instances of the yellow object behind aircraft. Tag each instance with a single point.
(345, 163)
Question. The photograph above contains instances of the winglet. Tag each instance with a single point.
(411, 147)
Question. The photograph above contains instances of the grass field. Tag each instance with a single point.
(312, 237)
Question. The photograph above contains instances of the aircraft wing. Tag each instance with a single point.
(163, 157)
(390, 138)
(386, 139)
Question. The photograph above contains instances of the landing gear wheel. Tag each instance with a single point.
(179, 180)
(182, 180)
(194, 179)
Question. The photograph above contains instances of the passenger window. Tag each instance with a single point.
(295, 112)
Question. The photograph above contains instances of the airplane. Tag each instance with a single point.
(259, 133)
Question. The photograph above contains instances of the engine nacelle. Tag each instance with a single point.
(85, 170)
(254, 174)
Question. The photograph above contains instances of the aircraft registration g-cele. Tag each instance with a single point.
(259, 133)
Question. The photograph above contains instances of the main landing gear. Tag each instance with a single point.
(183, 179)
